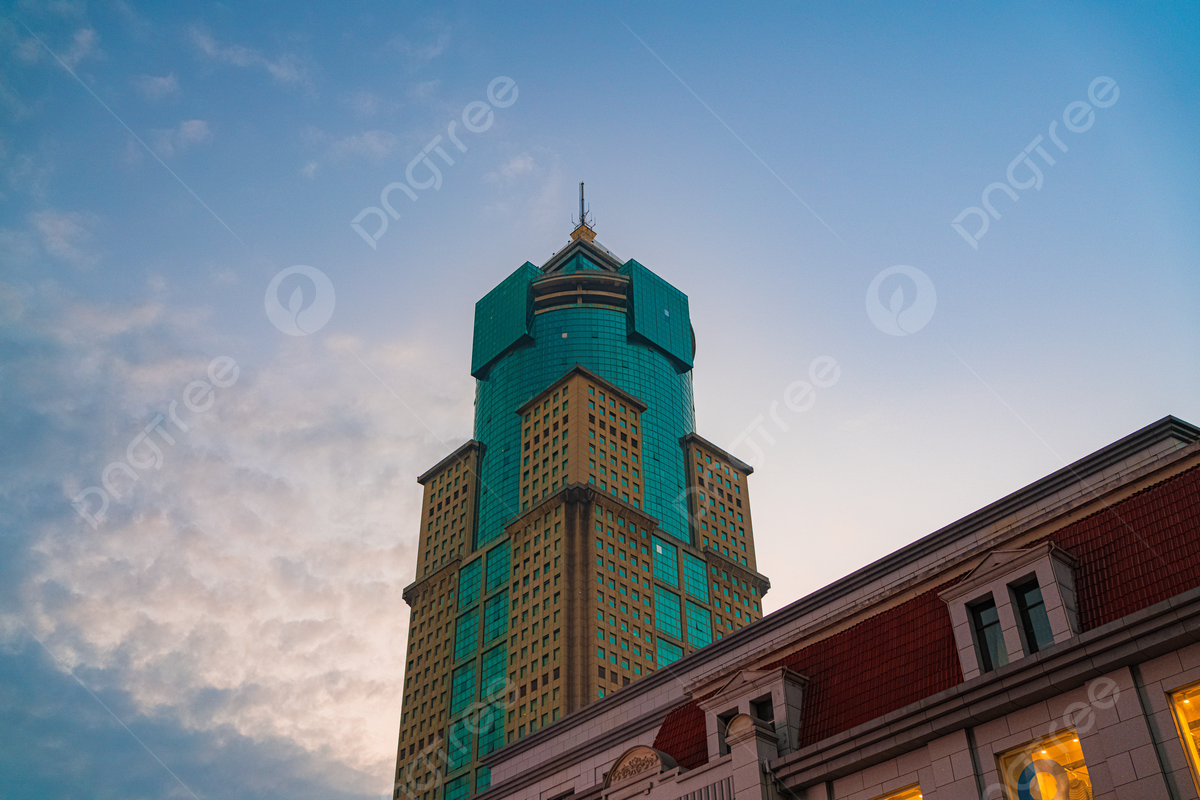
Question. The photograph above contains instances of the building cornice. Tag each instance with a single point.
(470, 444)
(587, 373)
(416, 586)
(594, 250)
(742, 466)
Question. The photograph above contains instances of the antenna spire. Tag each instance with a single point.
(583, 228)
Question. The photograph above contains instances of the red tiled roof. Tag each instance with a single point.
(682, 736)
(1139, 552)
(881, 664)
(1131, 555)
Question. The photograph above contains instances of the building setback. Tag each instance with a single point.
(1046, 647)
(586, 537)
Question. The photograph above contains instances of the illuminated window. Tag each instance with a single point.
(1049, 768)
(1186, 705)
(907, 793)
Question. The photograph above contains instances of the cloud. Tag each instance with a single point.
(363, 103)
(73, 9)
(419, 53)
(18, 249)
(285, 69)
(63, 743)
(309, 170)
(424, 90)
(12, 101)
(29, 51)
(28, 173)
(189, 133)
(84, 44)
(156, 88)
(514, 168)
(248, 588)
(68, 236)
(134, 22)
(369, 144)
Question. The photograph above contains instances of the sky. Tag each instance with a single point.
(182, 290)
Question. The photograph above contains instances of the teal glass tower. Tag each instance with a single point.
(585, 537)
(539, 323)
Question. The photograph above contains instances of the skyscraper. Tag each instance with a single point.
(586, 535)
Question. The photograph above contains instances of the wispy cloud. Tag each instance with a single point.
(134, 22)
(371, 144)
(69, 236)
(419, 52)
(154, 87)
(286, 68)
(424, 90)
(189, 133)
(251, 584)
(84, 44)
(69, 9)
(514, 168)
(366, 103)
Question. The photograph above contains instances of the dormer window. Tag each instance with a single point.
(763, 709)
(771, 699)
(1013, 604)
(989, 638)
(1035, 623)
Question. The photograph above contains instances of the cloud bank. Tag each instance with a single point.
(245, 595)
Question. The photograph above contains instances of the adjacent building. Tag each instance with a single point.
(1045, 647)
(586, 537)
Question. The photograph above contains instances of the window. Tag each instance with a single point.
(723, 721)
(989, 639)
(1050, 767)
(763, 709)
(1186, 705)
(1032, 591)
(1035, 624)
(907, 793)
(669, 620)
(666, 562)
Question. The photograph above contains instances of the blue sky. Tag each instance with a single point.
(233, 625)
